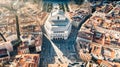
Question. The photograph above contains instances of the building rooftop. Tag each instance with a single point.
(31, 39)
(78, 15)
(96, 50)
(26, 60)
(58, 19)
(4, 55)
(84, 56)
(57, 65)
(85, 35)
(23, 49)
(6, 45)
(30, 28)
(110, 53)
(104, 26)
(104, 63)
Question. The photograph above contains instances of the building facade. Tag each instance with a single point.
(57, 26)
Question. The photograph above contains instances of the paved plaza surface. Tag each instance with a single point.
(67, 47)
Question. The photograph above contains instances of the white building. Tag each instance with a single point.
(57, 25)
(4, 55)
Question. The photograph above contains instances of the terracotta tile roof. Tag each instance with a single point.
(109, 52)
(108, 64)
(105, 63)
(116, 64)
(84, 56)
(99, 38)
(57, 65)
(85, 35)
(23, 49)
(96, 50)
(27, 60)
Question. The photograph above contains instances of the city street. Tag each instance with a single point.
(67, 48)
(60, 33)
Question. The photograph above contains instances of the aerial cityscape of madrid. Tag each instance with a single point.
(59, 33)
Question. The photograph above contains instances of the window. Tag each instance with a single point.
(58, 31)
